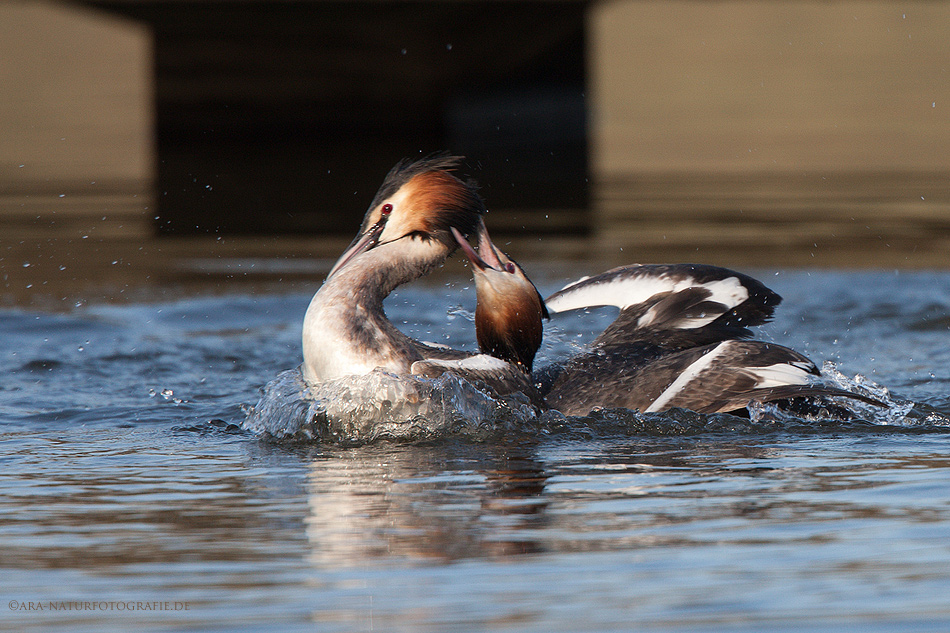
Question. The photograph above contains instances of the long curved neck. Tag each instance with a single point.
(345, 330)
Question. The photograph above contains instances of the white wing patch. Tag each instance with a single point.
(729, 292)
(575, 282)
(436, 345)
(626, 291)
(778, 375)
(479, 362)
(686, 377)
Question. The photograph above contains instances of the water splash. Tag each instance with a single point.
(168, 395)
(380, 405)
(359, 410)
(896, 411)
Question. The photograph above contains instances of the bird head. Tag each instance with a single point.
(509, 309)
(414, 212)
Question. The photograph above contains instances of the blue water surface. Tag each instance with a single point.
(133, 497)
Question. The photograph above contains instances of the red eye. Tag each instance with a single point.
(387, 209)
(510, 268)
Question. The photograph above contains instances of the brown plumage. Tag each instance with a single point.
(676, 343)
(406, 232)
(431, 200)
(510, 309)
(513, 332)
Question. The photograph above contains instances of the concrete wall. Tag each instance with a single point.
(803, 132)
(703, 115)
(75, 119)
(759, 85)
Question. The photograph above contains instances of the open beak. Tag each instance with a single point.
(486, 257)
(363, 242)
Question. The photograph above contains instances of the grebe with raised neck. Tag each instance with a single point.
(406, 233)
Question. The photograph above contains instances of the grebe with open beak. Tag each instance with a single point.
(679, 340)
(406, 233)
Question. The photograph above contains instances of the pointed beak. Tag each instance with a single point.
(486, 257)
(363, 242)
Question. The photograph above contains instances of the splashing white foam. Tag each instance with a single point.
(382, 405)
(895, 411)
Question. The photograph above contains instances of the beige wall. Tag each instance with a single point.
(761, 85)
(75, 96)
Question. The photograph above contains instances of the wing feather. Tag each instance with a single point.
(680, 305)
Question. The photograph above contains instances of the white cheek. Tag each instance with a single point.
(398, 223)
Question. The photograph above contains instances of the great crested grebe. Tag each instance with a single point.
(406, 233)
(679, 340)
